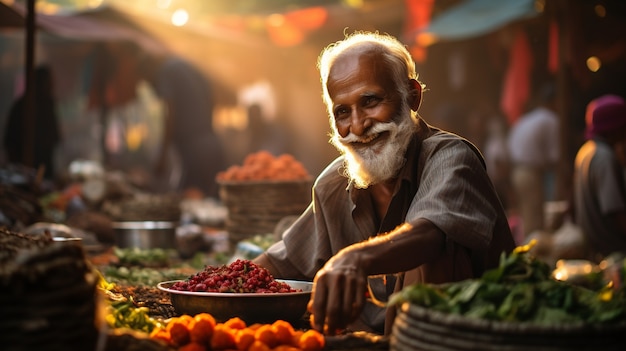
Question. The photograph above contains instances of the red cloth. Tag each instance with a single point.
(516, 86)
(553, 47)
(417, 17)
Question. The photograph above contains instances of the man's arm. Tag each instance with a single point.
(264, 261)
(340, 287)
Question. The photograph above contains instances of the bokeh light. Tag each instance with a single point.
(180, 17)
(163, 4)
(594, 63)
(600, 11)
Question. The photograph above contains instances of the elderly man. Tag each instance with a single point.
(404, 203)
(599, 184)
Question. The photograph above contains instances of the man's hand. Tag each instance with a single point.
(338, 294)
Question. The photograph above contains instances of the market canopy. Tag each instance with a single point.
(9, 18)
(473, 18)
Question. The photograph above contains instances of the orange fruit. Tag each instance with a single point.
(259, 346)
(178, 331)
(311, 340)
(161, 334)
(295, 340)
(244, 338)
(266, 334)
(284, 332)
(235, 323)
(185, 319)
(255, 326)
(202, 328)
(192, 346)
(285, 348)
(223, 338)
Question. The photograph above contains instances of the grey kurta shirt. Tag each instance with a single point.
(443, 180)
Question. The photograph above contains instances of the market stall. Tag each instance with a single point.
(101, 263)
(150, 299)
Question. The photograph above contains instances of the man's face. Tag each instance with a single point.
(373, 126)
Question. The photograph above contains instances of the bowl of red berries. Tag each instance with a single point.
(240, 289)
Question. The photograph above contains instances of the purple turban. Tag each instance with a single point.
(605, 114)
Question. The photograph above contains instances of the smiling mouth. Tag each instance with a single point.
(371, 140)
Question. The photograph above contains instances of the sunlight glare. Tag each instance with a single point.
(164, 4)
(180, 17)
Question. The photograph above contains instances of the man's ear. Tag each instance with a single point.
(415, 95)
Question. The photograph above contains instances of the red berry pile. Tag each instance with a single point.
(241, 276)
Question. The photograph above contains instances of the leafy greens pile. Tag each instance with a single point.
(520, 289)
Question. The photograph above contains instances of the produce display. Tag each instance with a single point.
(263, 165)
(140, 276)
(125, 314)
(201, 332)
(154, 257)
(521, 289)
(241, 276)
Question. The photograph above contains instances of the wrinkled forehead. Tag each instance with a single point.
(362, 56)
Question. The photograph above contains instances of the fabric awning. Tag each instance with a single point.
(473, 18)
(9, 18)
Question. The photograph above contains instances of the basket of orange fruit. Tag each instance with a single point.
(201, 332)
(262, 191)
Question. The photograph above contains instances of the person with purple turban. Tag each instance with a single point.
(600, 178)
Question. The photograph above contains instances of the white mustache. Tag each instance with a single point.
(372, 133)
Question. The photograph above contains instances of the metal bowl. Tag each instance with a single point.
(145, 234)
(251, 307)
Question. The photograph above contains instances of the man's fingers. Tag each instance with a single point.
(359, 299)
(349, 302)
(317, 304)
(337, 299)
(334, 308)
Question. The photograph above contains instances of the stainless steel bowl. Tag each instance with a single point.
(251, 307)
(145, 234)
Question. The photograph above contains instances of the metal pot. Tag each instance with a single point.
(145, 234)
(251, 307)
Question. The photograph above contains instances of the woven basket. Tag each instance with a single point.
(418, 328)
(49, 300)
(255, 207)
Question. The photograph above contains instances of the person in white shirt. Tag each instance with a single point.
(534, 152)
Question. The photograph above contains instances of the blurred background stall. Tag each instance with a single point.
(480, 60)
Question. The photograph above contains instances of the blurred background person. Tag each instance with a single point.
(188, 123)
(265, 134)
(47, 134)
(599, 183)
(497, 158)
(533, 146)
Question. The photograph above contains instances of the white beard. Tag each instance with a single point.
(368, 165)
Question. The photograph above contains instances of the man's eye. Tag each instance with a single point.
(370, 100)
(341, 113)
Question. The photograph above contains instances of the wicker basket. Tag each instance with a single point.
(255, 207)
(49, 297)
(418, 328)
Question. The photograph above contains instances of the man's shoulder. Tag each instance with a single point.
(441, 140)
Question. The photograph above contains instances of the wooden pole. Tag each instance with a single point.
(28, 122)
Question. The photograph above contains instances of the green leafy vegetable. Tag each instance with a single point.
(520, 289)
